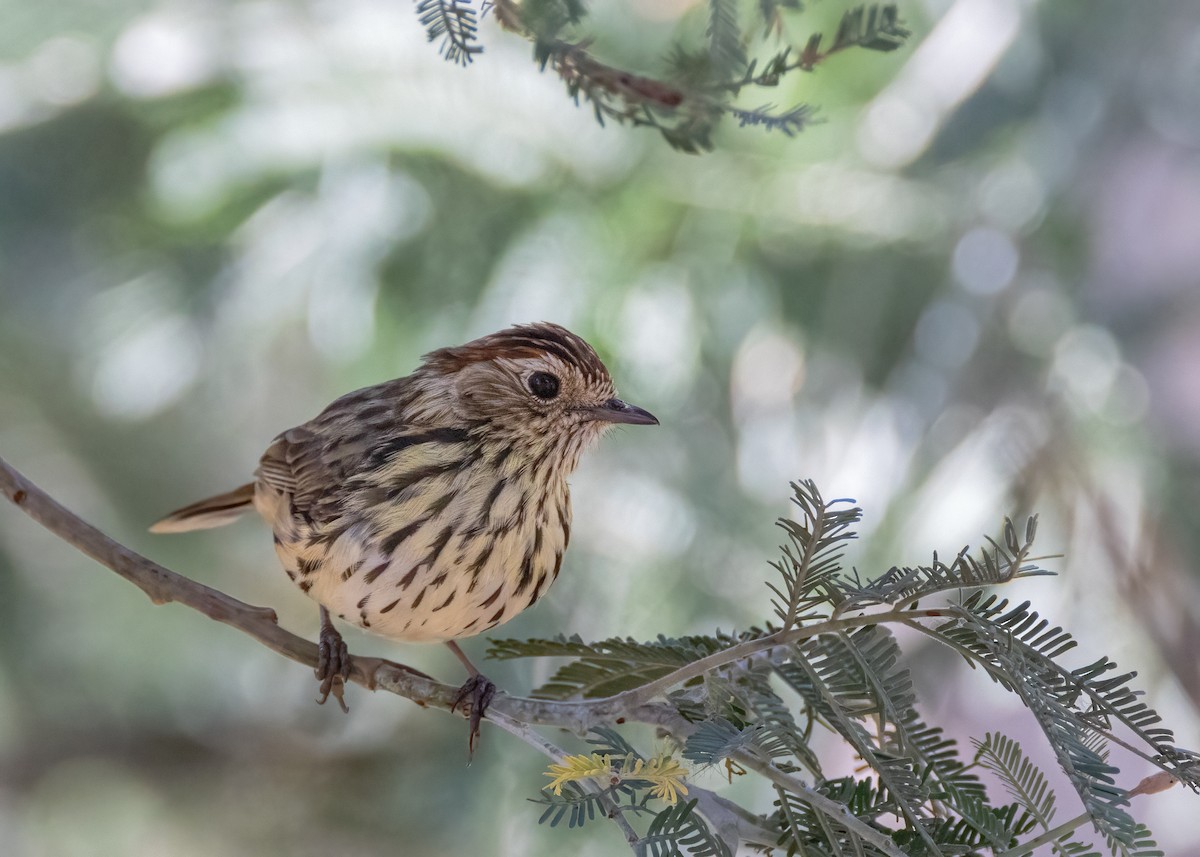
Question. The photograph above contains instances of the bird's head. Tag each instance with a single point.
(537, 381)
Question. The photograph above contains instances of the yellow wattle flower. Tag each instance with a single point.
(664, 773)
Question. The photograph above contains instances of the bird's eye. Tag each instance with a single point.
(543, 385)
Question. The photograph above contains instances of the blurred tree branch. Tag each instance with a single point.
(699, 83)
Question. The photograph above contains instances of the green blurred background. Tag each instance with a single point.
(970, 292)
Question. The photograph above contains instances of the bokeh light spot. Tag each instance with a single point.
(65, 70)
(946, 334)
(985, 261)
(160, 54)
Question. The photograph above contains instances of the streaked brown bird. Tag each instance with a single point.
(433, 507)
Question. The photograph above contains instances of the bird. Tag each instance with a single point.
(432, 507)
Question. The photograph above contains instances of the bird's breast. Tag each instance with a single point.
(467, 553)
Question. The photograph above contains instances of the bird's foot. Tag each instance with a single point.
(333, 665)
(476, 695)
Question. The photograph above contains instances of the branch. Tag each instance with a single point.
(586, 75)
(514, 715)
(164, 586)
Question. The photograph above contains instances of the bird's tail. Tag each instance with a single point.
(213, 512)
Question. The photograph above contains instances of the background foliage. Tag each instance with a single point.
(969, 292)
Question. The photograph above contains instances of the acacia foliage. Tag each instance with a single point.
(834, 662)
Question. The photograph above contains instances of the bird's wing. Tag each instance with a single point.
(316, 461)
(295, 464)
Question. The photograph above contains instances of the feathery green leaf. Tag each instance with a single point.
(455, 24)
(609, 666)
(727, 53)
(812, 559)
(677, 831)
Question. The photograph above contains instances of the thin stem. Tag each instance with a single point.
(1046, 838)
(826, 805)
(646, 692)
(802, 567)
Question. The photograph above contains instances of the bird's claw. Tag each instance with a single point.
(333, 666)
(477, 695)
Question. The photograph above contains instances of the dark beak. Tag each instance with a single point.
(616, 411)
